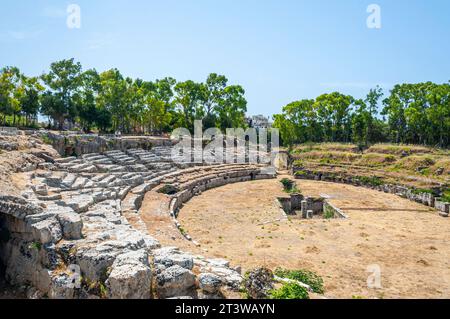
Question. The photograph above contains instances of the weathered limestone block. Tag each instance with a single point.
(72, 225)
(428, 199)
(218, 262)
(169, 257)
(18, 207)
(442, 206)
(229, 276)
(9, 146)
(151, 243)
(95, 261)
(62, 287)
(210, 283)
(79, 203)
(41, 189)
(52, 197)
(131, 276)
(175, 281)
(47, 230)
(23, 265)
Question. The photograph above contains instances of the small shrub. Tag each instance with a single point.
(287, 183)
(289, 291)
(446, 195)
(182, 231)
(422, 190)
(35, 245)
(289, 186)
(168, 189)
(305, 276)
(300, 173)
(373, 180)
(328, 213)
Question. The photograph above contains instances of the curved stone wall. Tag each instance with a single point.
(412, 194)
(69, 235)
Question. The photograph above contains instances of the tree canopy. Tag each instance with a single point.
(109, 101)
(412, 113)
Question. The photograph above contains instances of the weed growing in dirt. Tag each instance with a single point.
(289, 291)
(305, 276)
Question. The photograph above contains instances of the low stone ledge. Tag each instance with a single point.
(412, 194)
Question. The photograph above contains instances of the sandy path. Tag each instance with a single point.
(409, 241)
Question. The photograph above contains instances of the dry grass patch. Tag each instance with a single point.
(377, 159)
(399, 149)
(336, 147)
(329, 157)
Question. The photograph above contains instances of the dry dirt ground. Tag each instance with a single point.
(408, 241)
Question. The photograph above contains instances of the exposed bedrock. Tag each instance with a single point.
(79, 144)
(69, 236)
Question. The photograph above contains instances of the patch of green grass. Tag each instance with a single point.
(46, 139)
(289, 291)
(287, 183)
(372, 180)
(328, 213)
(422, 190)
(289, 186)
(305, 276)
(300, 173)
(35, 245)
(182, 231)
(446, 195)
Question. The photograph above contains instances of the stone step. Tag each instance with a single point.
(65, 159)
(69, 180)
(79, 183)
(89, 169)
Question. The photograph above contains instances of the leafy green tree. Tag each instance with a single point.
(360, 124)
(86, 99)
(11, 91)
(113, 98)
(189, 100)
(372, 100)
(30, 99)
(215, 86)
(63, 82)
(334, 112)
(231, 109)
(286, 128)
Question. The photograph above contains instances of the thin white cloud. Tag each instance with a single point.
(99, 40)
(17, 35)
(20, 35)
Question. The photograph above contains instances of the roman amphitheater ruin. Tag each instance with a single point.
(117, 218)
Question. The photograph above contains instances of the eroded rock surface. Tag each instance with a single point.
(68, 232)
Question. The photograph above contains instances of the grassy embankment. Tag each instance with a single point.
(418, 166)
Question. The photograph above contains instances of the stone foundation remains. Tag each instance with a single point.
(298, 206)
(412, 194)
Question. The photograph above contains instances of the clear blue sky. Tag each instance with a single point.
(279, 51)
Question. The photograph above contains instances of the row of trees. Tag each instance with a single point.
(412, 113)
(109, 101)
